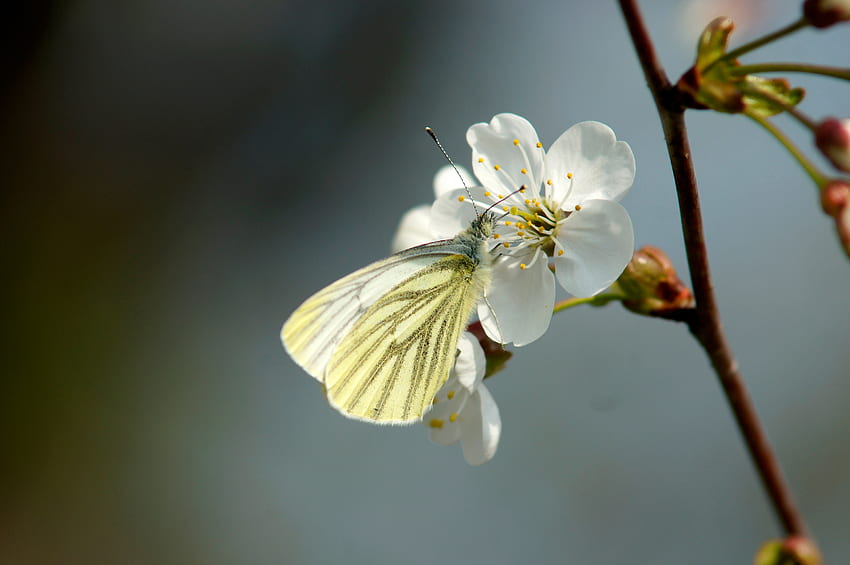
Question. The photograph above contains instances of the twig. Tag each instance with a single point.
(705, 324)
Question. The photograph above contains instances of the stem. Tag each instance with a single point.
(755, 44)
(808, 166)
(705, 325)
(834, 72)
(597, 300)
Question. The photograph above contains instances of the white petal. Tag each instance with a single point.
(601, 166)
(521, 299)
(495, 144)
(451, 399)
(413, 229)
(598, 243)
(470, 364)
(481, 427)
(452, 212)
(447, 179)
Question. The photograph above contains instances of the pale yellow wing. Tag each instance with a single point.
(313, 331)
(397, 355)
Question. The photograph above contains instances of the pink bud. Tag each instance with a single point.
(835, 201)
(832, 137)
(834, 197)
(650, 284)
(842, 224)
(824, 13)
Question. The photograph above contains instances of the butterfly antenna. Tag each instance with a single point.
(452, 163)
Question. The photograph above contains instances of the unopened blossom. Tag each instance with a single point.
(561, 205)
(835, 201)
(832, 136)
(824, 13)
(463, 409)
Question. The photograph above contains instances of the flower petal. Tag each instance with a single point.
(452, 212)
(502, 150)
(447, 179)
(413, 229)
(471, 363)
(601, 166)
(598, 242)
(444, 429)
(481, 426)
(521, 299)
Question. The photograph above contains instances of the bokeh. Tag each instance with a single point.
(178, 176)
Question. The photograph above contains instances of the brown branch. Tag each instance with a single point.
(705, 325)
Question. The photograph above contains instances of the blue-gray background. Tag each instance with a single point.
(178, 176)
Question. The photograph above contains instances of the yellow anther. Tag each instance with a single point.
(436, 423)
(501, 196)
(522, 266)
(497, 235)
(506, 244)
(527, 201)
(520, 233)
(516, 142)
(461, 198)
(569, 175)
(508, 222)
(497, 167)
(487, 193)
(453, 417)
(578, 207)
(522, 188)
(560, 252)
(539, 145)
(524, 171)
(549, 182)
(481, 159)
(505, 208)
(450, 395)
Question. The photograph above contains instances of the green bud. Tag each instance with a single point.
(794, 550)
(715, 82)
(650, 284)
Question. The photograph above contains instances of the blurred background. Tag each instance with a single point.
(178, 176)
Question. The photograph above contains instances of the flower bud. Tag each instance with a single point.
(795, 549)
(834, 197)
(714, 81)
(650, 284)
(832, 137)
(824, 13)
(835, 201)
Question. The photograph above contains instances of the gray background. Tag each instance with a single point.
(179, 176)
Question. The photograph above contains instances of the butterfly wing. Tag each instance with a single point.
(394, 358)
(313, 331)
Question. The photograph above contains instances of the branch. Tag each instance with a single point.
(705, 325)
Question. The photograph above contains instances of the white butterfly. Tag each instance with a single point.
(383, 339)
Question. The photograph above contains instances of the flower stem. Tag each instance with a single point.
(597, 300)
(835, 72)
(705, 325)
(819, 179)
(755, 44)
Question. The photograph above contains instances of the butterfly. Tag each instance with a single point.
(383, 340)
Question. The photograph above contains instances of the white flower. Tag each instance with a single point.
(463, 409)
(562, 204)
